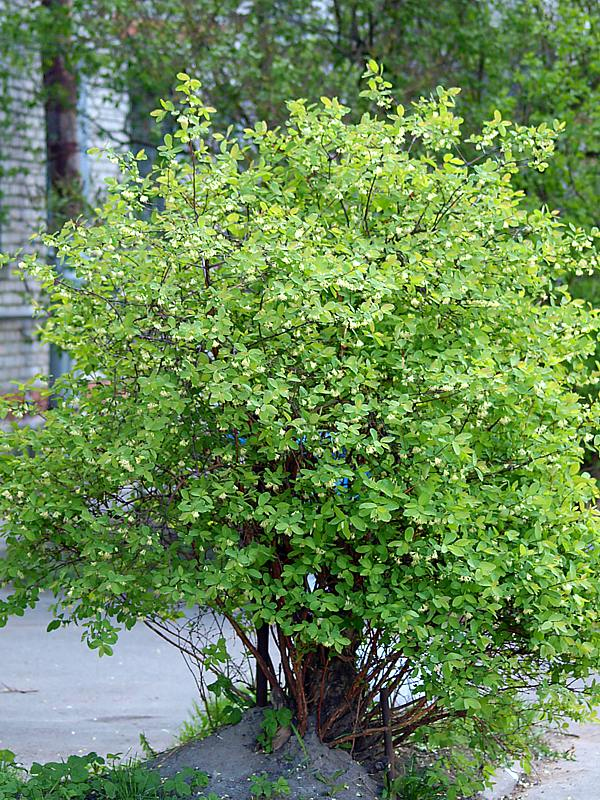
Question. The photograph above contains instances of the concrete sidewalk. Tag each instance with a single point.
(574, 777)
(57, 697)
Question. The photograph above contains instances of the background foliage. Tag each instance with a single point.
(533, 61)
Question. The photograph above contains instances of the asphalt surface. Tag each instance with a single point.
(575, 778)
(57, 697)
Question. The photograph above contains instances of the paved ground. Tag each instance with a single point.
(575, 778)
(58, 697)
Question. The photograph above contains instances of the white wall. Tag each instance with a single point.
(102, 122)
(22, 202)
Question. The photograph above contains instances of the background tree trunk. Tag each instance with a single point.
(64, 194)
(63, 157)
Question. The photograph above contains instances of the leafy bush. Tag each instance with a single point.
(325, 382)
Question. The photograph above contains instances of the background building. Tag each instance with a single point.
(24, 197)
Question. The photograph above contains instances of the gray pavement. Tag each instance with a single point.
(58, 697)
(575, 778)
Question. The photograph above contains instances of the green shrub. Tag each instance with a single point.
(325, 382)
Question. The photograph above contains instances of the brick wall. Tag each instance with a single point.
(22, 200)
(102, 122)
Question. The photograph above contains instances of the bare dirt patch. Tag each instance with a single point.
(231, 758)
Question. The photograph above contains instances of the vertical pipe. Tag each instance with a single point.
(63, 152)
(262, 644)
(384, 699)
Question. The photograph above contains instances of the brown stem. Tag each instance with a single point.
(267, 671)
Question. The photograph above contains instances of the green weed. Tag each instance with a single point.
(262, 788)
(90, 777)
(212, 715)
(273, 720)
(415, 783)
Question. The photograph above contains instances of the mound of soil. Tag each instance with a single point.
(231, 758)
